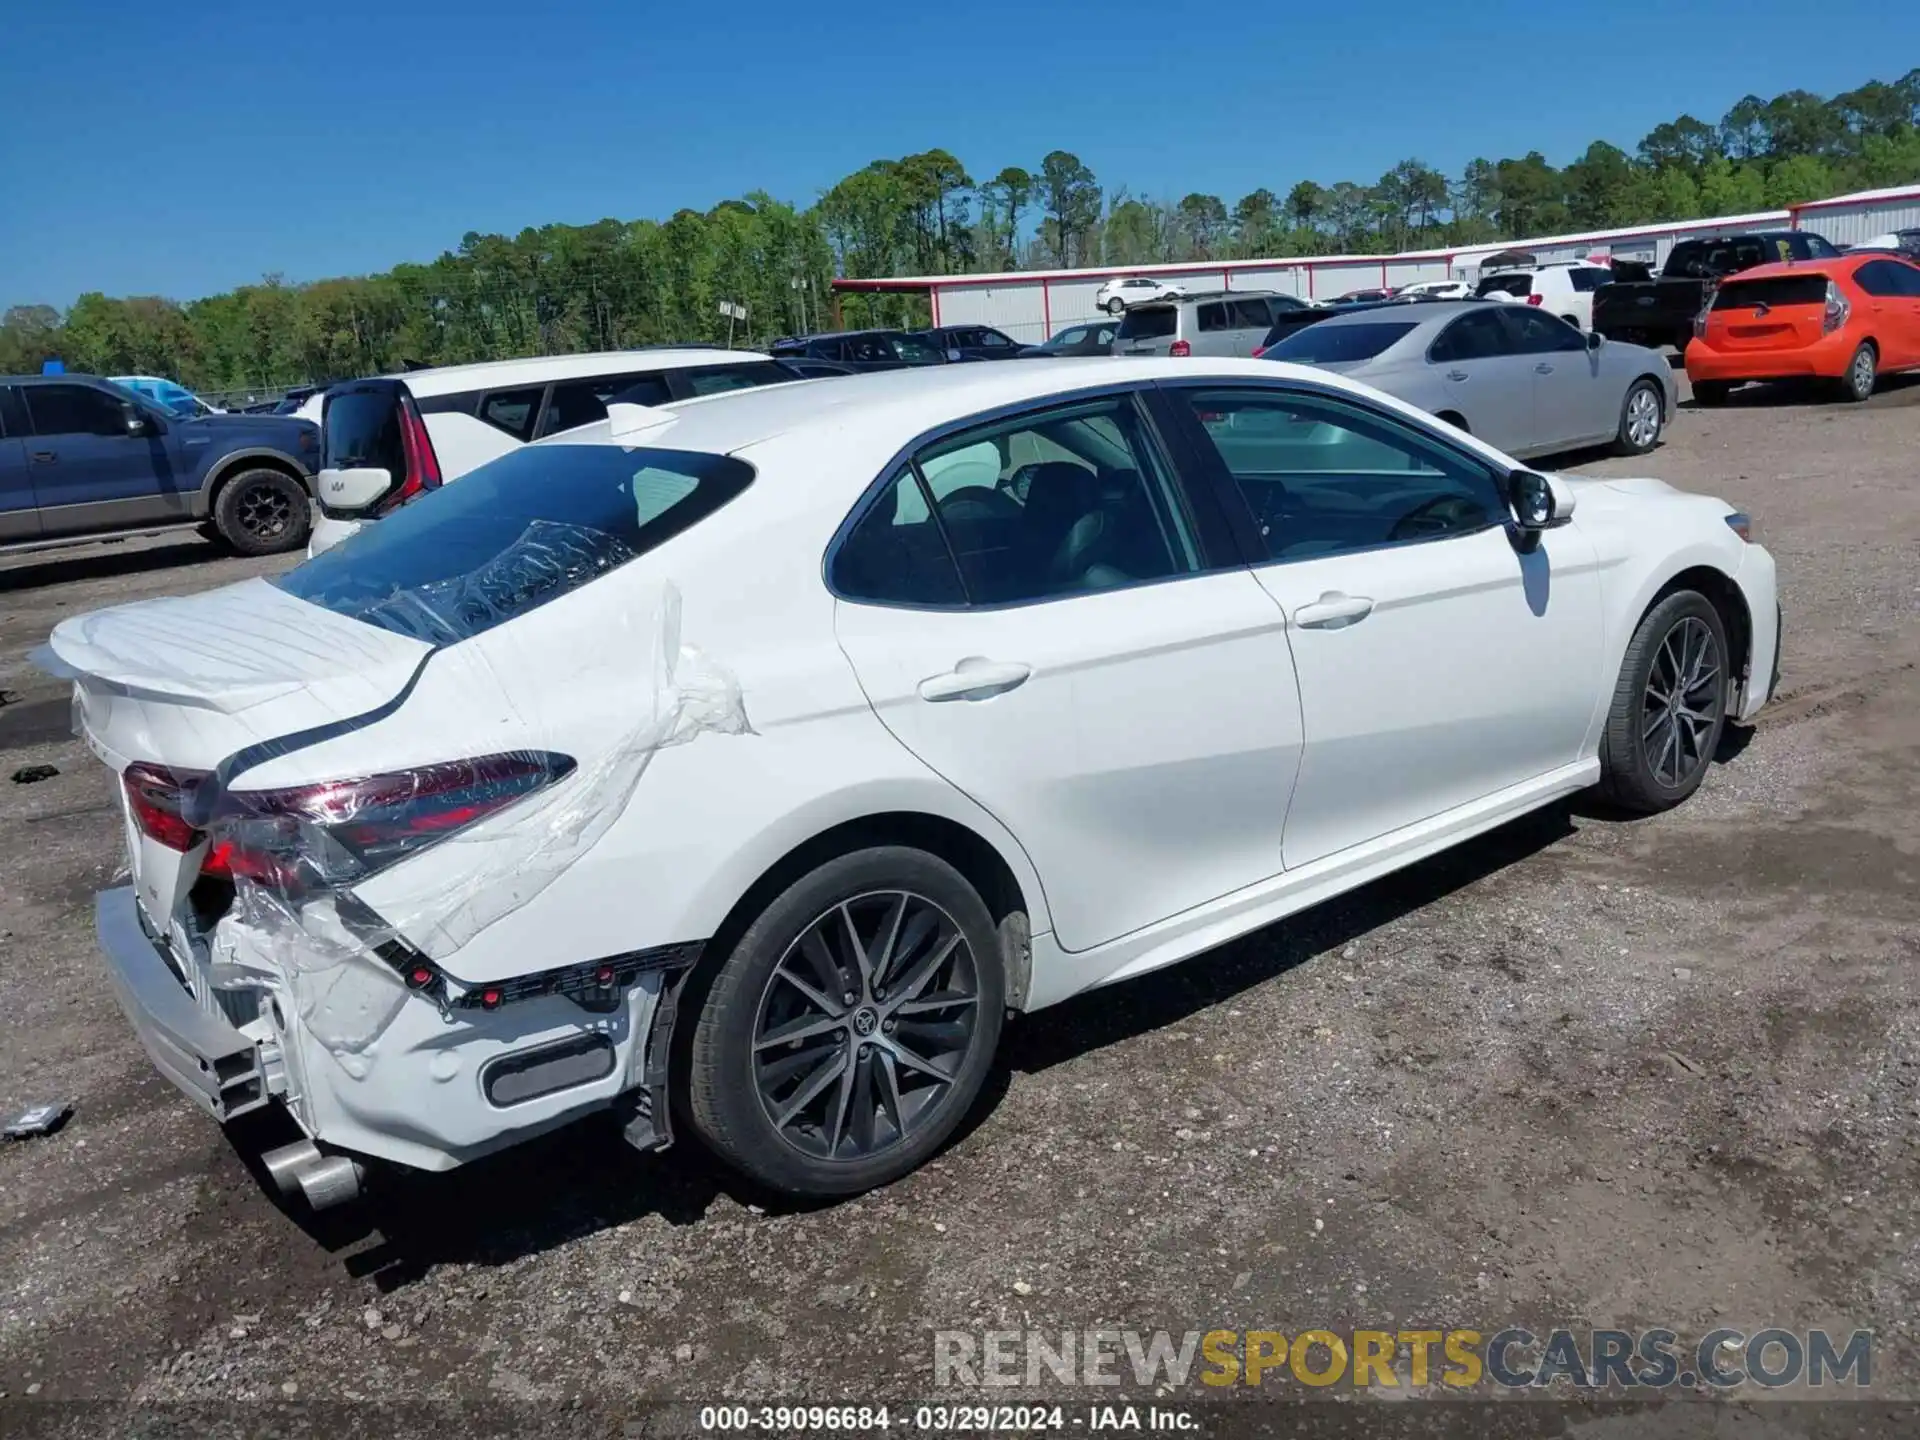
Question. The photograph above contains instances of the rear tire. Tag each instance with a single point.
(1669, 706)
(1643, 418)
(262, 512)
(877, 1115)
(1709, 393)
(1116, 306)
(1863, 373)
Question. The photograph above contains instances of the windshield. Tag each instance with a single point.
(176, 400)
(536, 524)
(916, 351)
(1340, 344)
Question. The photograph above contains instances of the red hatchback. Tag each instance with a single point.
(1847, 319)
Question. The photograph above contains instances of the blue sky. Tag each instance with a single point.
(183, 149)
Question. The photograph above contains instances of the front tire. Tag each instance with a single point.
(1642, 417)
(1863, 373)
(262, 512)
(851, 1027)
(1669, 706)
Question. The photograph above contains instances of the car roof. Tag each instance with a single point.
(538, 370)
(54, 379)
(905, 403)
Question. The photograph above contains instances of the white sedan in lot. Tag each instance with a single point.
(745, 760)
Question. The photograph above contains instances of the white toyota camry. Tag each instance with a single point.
(740, 763)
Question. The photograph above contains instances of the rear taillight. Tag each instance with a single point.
(1180, 350)
(1700, 320)
(341, 831)
(1258, 351)
(423, 466)
(157, 798)
(1536, 299)
(1839, 308)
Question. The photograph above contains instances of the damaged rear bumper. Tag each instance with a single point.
(211, 1062)
(439, 1085)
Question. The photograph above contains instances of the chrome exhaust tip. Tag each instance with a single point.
(285, 1164)
(323, 1181)
(334, 1180)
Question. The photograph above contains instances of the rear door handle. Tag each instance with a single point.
(1333, 611)
(976, 679)
(1456, 374)
(45, 457)
(1543, 368)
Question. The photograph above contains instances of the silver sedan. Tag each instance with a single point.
(1525, 382)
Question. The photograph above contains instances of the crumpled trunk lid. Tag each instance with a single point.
(191, 682)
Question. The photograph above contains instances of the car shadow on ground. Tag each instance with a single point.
(105, 560)
(583, 1179)
(1892, 390)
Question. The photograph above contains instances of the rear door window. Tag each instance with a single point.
(1478, 335)
(520, 531)
(1590, 277)
(1879, 277)
(361, 428)
(1147, 322)
(581, 402)
(1213, 316)
(513, 411)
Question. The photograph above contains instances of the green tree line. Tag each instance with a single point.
(615, 284)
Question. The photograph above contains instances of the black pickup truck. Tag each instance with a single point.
(1661, 311)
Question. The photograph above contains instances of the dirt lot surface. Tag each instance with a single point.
(1583, 1072)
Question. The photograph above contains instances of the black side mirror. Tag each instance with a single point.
(1595, 339)
(1538, 502)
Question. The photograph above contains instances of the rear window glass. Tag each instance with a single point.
(362, 428)
(527, 528)
(1147, 322)
(1774, 290)
(1517, 285)
(1701, 259)
(1332, 344)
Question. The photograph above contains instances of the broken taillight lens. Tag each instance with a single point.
(157, 798)
(342, 831)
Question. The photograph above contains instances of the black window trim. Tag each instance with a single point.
(1212, 469)
(1208, 533)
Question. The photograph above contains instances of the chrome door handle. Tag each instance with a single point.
(1543, 368)
(1456, 374)
(45, 457)
(976, 679)
(1333, 611)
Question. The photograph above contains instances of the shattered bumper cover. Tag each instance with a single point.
(212, 1063)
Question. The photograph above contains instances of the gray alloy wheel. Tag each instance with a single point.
(841, 1038)
(1682, 703)
(1669, 705)
(864, 1024)
(1863, 371)
(1640, 419)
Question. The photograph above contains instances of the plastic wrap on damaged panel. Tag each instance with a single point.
(506, 824)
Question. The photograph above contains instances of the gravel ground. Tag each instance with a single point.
(1582, 1072)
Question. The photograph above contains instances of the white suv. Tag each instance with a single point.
(1563, 290)
(389, 440)
(1124, 290)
